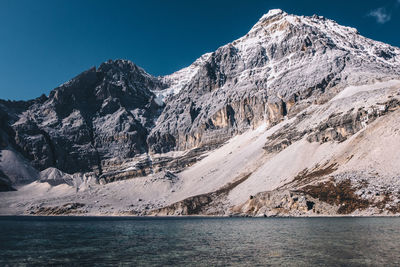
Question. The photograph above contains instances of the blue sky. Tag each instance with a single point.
(45, 43)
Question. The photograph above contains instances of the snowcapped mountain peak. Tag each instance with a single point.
(272, 13)
(272, 16)
(283, 57)
(278, 43)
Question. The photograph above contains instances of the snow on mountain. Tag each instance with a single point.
(284, 62)
(177, 80)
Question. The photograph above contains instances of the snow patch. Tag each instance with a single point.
(17, 168)
(272, 13)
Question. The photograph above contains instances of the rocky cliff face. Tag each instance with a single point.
(100, 114)
(281, 66)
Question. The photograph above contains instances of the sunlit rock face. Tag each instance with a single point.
(284, 64)
(102, 113)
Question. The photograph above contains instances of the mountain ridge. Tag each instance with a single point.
(292, 83)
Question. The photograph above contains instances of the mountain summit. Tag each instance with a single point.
(284, 62)
(297, 117)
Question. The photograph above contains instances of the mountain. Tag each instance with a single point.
(298, 117)
(101, 113)
(284, 62)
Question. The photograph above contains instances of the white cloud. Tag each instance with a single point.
(381, 15)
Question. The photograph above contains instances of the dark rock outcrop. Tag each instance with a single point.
(100, 114)
(338, 127)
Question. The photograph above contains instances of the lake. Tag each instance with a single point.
(199, 241)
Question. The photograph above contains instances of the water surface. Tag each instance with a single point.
(200, 241)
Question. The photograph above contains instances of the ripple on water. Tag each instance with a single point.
(200, 241)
